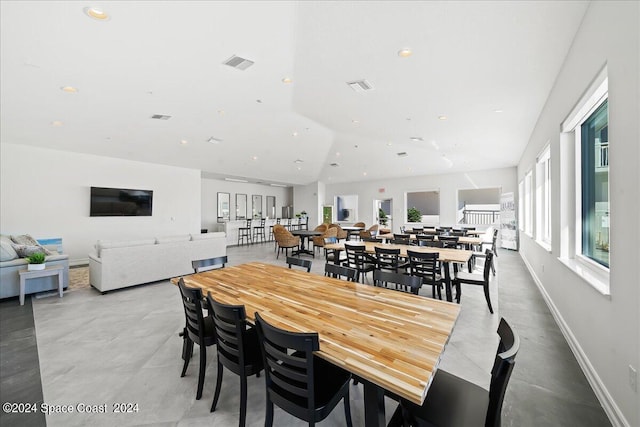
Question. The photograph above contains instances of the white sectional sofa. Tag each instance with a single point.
(119, 264)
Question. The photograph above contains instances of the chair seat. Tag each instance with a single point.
(470, 278)
(451, 402)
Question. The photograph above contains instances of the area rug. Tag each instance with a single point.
(78, 277)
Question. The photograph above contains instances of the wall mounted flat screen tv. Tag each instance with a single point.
(120, 202)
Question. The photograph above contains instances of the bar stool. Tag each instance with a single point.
(259, 232)
(244, 233)
(271, 236)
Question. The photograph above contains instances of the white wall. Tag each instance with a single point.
(604, 331)
(45, 193)
(209, 195)
(447, 184)
(307, 198)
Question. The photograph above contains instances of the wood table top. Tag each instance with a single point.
(444, 254)
(465, 240)
(390, 338)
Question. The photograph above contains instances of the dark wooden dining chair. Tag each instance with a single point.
(455, 402)
(388, 259)
(198, 329)
(201, 265)
(339, 271)
(357, 258)
(304, 263)
(238, 349)
(427, 266)
(304, 385)
(397, 281)
(475, 279)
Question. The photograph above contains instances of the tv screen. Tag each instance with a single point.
(120, 202)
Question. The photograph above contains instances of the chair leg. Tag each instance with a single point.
(456, 284)
(243, 400)
(218, 387)
(487, 297)
(347, 409)
(493, 268)
(268, 418)
(187, 351)
(201, 372)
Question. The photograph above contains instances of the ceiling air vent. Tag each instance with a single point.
(238, 63)
(402, 154)
(360, 85)
(160, 117)
(335, 165)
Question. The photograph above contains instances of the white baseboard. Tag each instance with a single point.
(77, 262)
(612, 410)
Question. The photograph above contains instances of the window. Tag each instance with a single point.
(543, 198)
(595, 185)
(584, 187)
(478, 206)
(521, 205)
(423, 207)
(528, 213)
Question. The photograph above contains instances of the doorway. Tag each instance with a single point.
(382, 209)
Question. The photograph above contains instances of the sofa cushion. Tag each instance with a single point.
(26, 250)
(24, 239)
(172, 239)
(7, 253)
(105, 244)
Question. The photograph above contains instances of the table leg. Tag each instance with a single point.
(22, 283)
(60, 284)
(447, 281)
(373, 405)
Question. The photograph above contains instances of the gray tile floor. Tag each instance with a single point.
(123, 347)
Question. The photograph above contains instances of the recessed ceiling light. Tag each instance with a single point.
(442, 117)
(278, 185)
(56, 123)
(69, 89)
(497, 111)
(355, 122)
(416, 139)
(221, 112)
(213, 140)
(295, 133)
(389, 144)
(287, 80)
(405, 53)
(254, 158)
(435, 145)
(95, 13)
(183, 141)
(338, 154)
(299, 168)
(364, 173)
(235, 180)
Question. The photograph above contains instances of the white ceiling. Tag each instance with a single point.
(469, 59)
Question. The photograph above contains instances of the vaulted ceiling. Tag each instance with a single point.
(487, 67)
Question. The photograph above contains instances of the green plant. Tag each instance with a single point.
(414, 215)
(36, 258)
(382, 217)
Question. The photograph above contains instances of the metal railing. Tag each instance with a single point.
(477, 216)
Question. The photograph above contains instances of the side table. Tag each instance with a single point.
(32, 274)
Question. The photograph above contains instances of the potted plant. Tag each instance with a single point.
(413, 215)
(382, 217)
(36, 261)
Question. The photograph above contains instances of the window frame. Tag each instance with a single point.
(521, 205)
(543, 198)
(528, 203)
(592, 272)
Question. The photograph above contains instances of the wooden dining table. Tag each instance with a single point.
(445, 255)
(464, 240)
(390, 340)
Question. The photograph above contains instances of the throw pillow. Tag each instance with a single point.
(7, 253)
(26, 250)
(24, 239)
